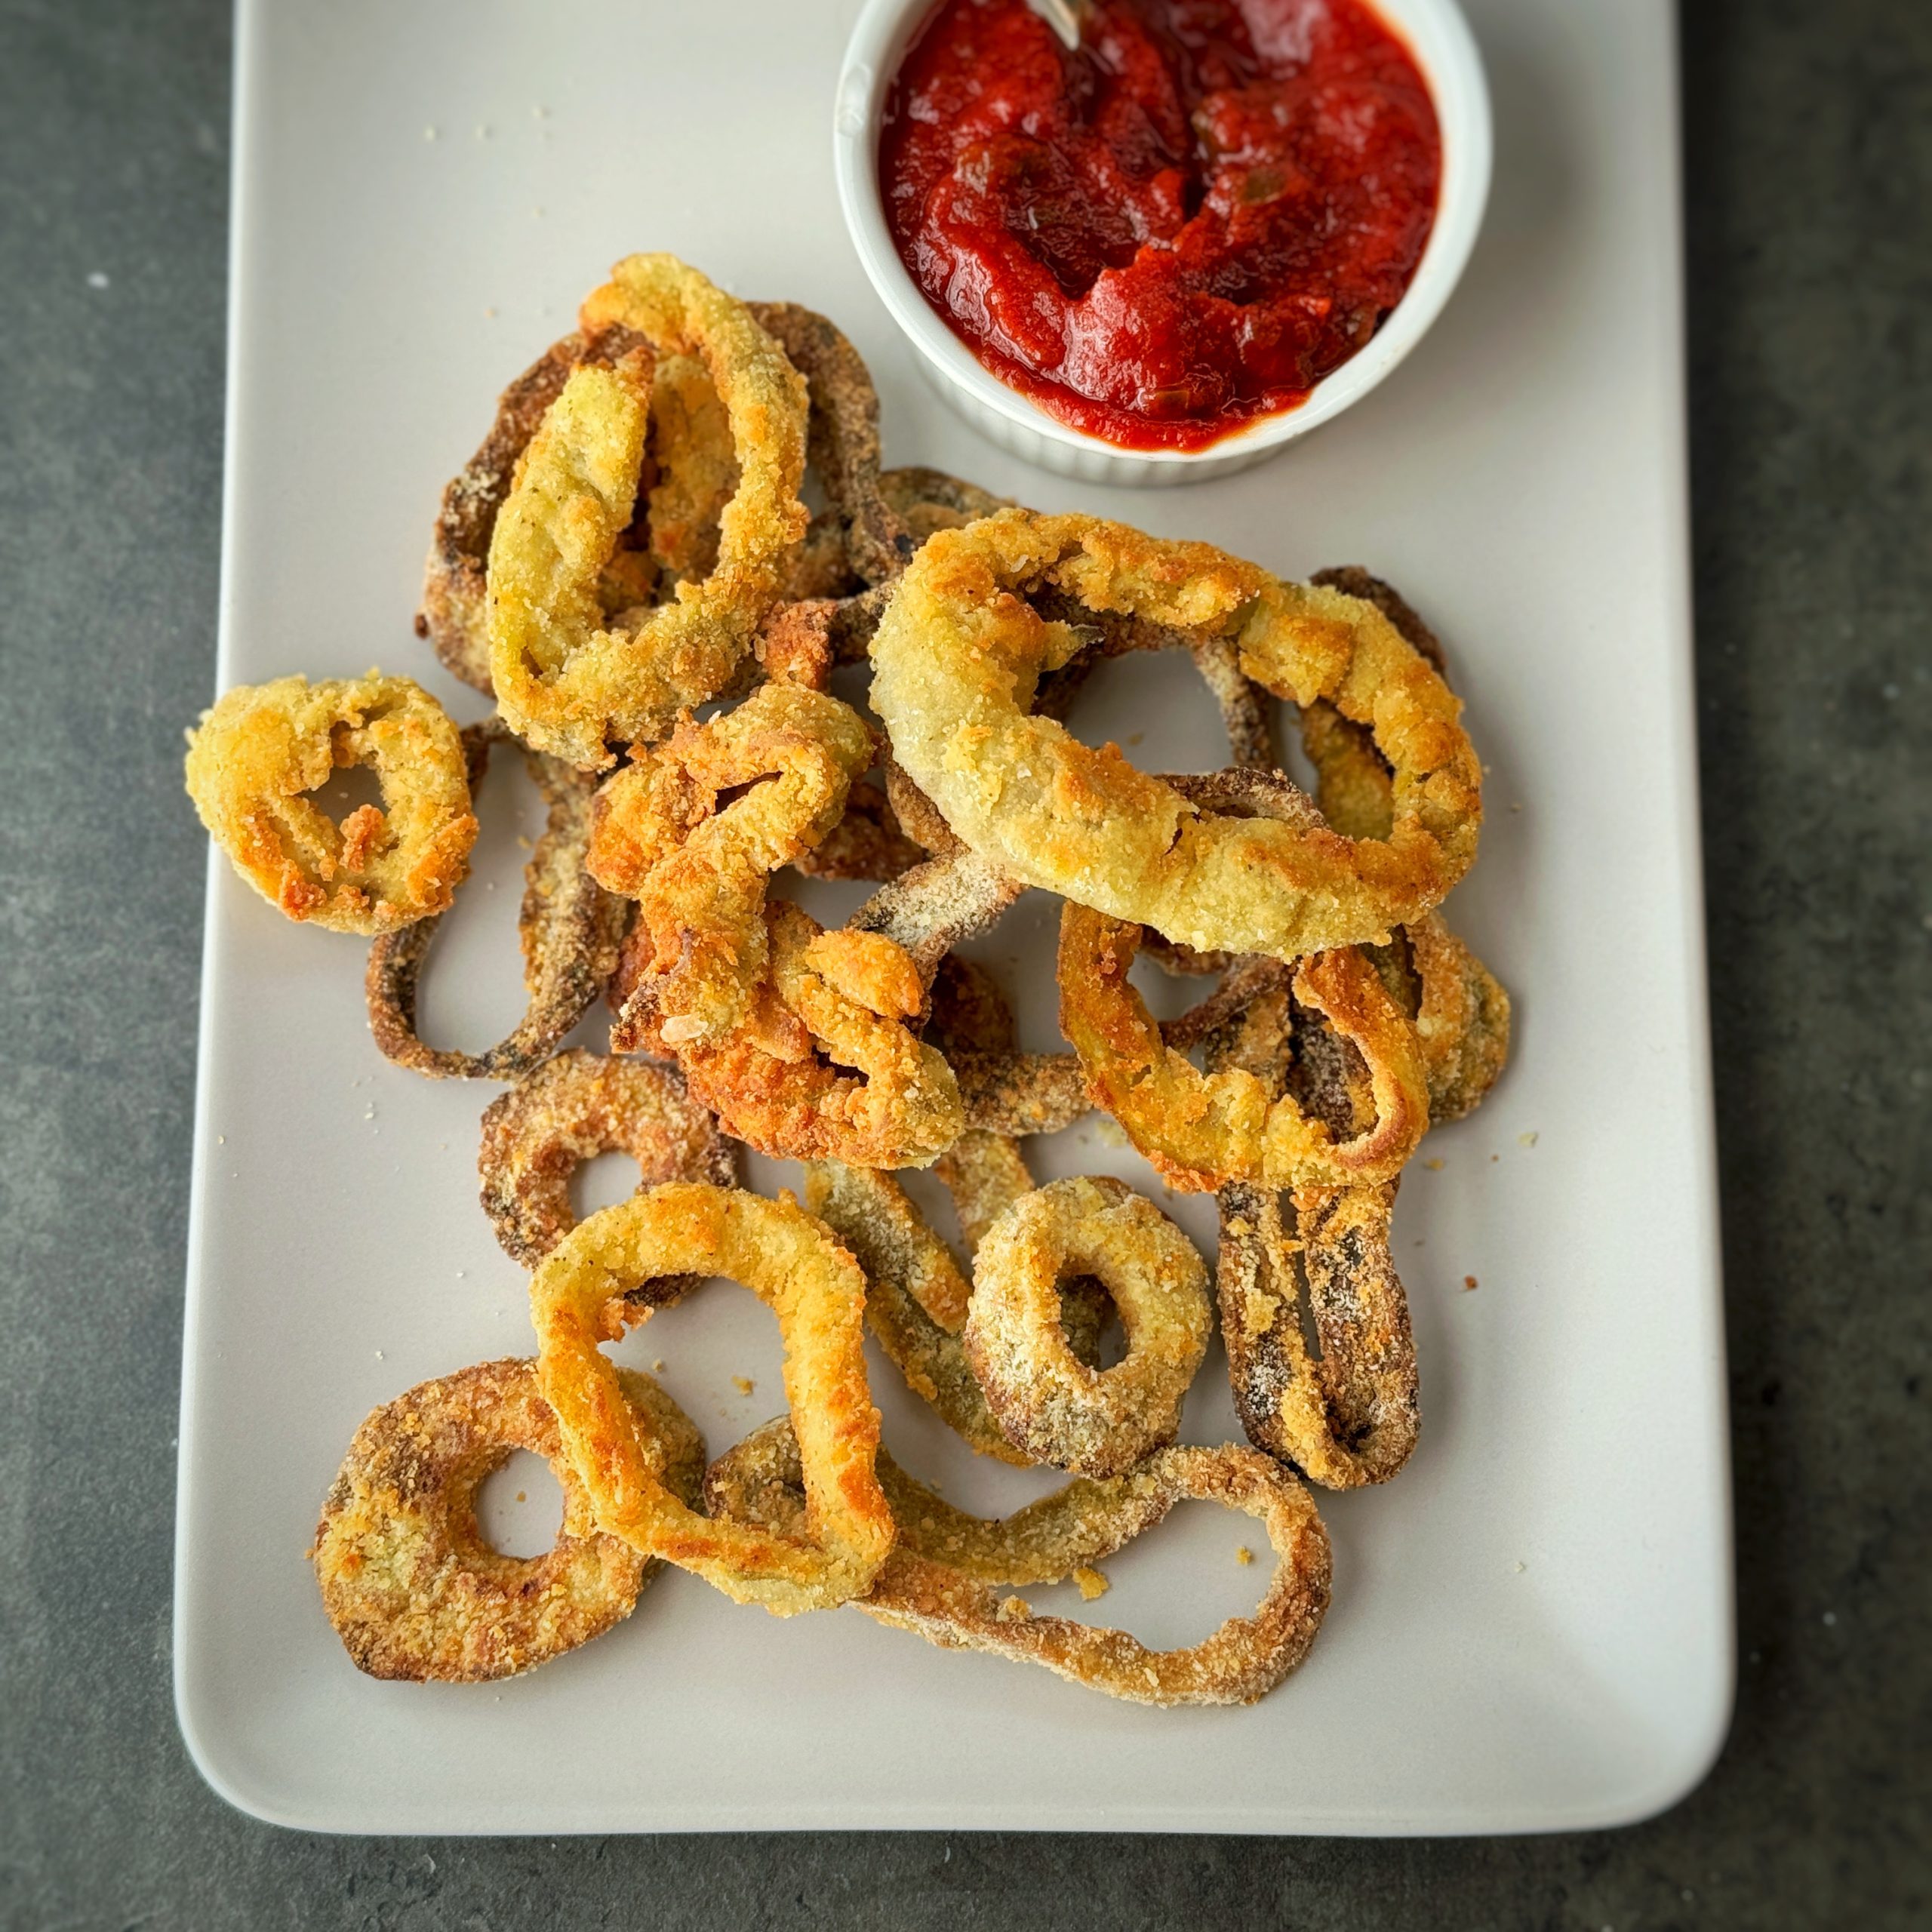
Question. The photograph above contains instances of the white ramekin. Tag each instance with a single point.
(1439, 38)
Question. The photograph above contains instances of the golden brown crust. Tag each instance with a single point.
(1095, 1421)
(1202, 1131)
(259, 751)
(699, 872)
(832, 1001)
(569, 927)
(567, 680)
(413, 1591)
(941, 1580)
(571, 1109)
(958, 656)
(583, 1293)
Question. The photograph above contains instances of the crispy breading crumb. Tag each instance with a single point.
(743, 1384)
(657, 1366)
(1434, 1164)
(1092, 1583)
(1244, 1556)
(1013, 1610)
(1528, 1139)
(1469, 1282)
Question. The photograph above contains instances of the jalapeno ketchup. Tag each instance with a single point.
(1181, 224)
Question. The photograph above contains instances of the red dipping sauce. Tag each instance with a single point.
(1181, 224)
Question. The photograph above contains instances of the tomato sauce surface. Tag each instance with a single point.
(1182, 223)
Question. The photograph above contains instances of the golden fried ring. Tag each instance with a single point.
(940, 1580)
(675, 536)
(571, 1109)
(832, 1000)
(262, 747)
(565, 681)
(570, 928)
(958, 655)
(1201, 1131)
(413, 1591)
(699, 873)
(582, 1294)
(1460, 1010)
(1094, 1421)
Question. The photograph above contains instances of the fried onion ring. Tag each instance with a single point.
(1201, 1131)
(257, 753)
(1351, 1415)
(565, 680)
(1094, 1421)
(1461, 1011)
(413, 1591)
(583, 1293)
(571, 1109)
(698, 873)
(569, 927)
(958, 656)
(940, 1581)
(832, 1000)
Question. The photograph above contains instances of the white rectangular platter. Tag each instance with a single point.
(1531, 1626)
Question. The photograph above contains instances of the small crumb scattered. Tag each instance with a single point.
(459, 1274)
(221, 1140)
(482, 130)
(743, 1384)
(1092, 1583)
(522, 842)
(1515, 805)
(490, 315)
(1244, 1556)
(521, 1497)
(1434, 1164)
(1012, 1609)
(537, 213)
(1469, 1281)
(1526, 1139)
(96, 280)
(657, 1366)
(1520, 1568)
(429, 133)
(1135, 737)
(371, 1113)
(539, 113)
(379, 1355)
(1496, 1157)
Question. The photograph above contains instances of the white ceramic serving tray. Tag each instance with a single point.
(1532, 1625)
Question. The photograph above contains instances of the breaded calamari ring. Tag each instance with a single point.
(675, 534)
(1351, 1415)
(699, 873)
(258, 752)
(1096, 1421)
(569, 927)
(1201, 1131)
(941, 1579)
(413, 1591)
(832, 1000)
(584, 1293)
(1461, 1011)
(571, 1109)
(959, 654)
(565, 680)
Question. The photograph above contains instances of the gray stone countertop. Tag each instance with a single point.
(1809, 146)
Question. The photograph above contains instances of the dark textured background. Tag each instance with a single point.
(1809, 141)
